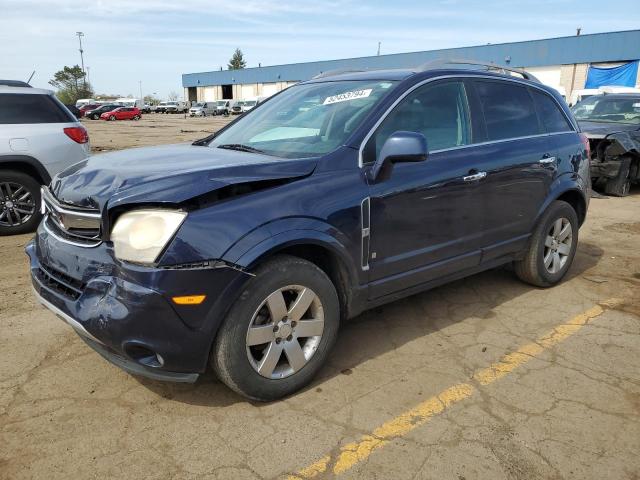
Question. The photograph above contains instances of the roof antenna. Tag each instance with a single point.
(32, 74)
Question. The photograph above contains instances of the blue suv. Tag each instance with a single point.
(246, 249)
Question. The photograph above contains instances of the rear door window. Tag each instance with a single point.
(553, 119)
(33, 108)
(508, 110)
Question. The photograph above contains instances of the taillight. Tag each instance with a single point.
(77, 134)
(587, 146)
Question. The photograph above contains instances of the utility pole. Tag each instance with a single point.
(573, 73)
(80, 35)
(140, 83)
(379, 43)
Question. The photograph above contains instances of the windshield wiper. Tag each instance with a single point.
(203, 142)
(240, 147)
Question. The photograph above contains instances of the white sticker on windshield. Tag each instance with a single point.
(346, 96)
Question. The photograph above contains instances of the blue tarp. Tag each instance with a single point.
(623, 76)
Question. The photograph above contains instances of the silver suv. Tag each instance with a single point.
(39, 137)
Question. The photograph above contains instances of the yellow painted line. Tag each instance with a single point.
(355, 452)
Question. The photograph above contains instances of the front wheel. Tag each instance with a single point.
(112, 118)
(19, 202)
(136, 117)
(552, 247)
(280, 330)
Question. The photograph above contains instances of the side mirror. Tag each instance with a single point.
(401, 146)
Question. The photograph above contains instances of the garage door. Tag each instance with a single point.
(209, 94)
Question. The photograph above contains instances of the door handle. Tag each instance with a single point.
(475, 177)
(547, 160)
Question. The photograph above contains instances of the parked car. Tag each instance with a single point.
(122, 113)
(612, 124)
(76, 112)
(247, 249)
(160, 108)
(146, 108)
(96, 112)
(202, 109)
(236, 109)
(223, 107)
(176, 107)
(130, 102)
(248, 105)
(88, 107)
(39, 137)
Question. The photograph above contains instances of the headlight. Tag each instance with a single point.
(140, 235)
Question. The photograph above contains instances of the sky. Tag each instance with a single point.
(153, 42)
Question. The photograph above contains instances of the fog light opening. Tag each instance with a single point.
(144, 356)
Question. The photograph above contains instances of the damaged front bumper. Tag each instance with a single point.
(125, 312)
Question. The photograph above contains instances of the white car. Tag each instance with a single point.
(175, 107)
(202, 109)
(39, 137)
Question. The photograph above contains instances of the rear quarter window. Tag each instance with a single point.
(553, 119)
(31, 108)
(508, 110)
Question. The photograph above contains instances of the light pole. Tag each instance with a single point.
(140, 84)
(80, 35)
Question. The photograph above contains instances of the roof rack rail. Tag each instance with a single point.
(489, 66)
(331, 73)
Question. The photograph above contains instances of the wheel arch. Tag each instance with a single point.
(577, 201)
(25, 164)
(318, 248)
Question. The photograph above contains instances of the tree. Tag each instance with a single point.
(173, 96)
(237, 61)
(71, 84)
(150, 100)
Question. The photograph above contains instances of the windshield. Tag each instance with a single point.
(250, 103)
(305, 120)
(221, 103)
(172, 103)
(607, 109)
(198, 105)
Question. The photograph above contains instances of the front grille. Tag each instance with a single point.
(78, 226)
(59, 282)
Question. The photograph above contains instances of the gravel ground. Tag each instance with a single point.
(570, 411)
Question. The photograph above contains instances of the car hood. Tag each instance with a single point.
(602, 129)
(168, 174)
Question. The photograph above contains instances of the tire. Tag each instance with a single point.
(236, 359)
(547, 239)
(112, 118)
(13, 188)
(95, 117)
(136, 117)
(621, 184)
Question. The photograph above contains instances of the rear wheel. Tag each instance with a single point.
(552, 247)
(19, 203)
(112, 118)
(136, 117)
(621, 184)
(279, 332)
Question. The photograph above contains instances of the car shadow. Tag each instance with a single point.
(473, 297)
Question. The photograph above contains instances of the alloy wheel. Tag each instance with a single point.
(17, 205)
(285, 331)
(557, 245)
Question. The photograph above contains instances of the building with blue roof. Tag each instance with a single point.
(562, 63)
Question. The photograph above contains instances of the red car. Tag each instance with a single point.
(85, 108)
(122, 113)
